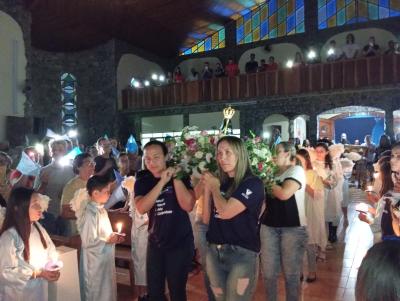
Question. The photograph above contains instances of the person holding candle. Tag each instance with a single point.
(139, 239)
(97, 261)
(379, 217)
(325, 168)
(25, 249)
(315, 209)
(167, 200)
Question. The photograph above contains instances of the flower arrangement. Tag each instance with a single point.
(261, 161)
(194, 152)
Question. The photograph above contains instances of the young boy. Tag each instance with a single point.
(97, 261)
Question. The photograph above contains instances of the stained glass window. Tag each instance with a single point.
(274, 18)
(333, 13)
(212, 42)
(68, 97)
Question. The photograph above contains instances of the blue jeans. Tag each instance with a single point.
(233, 272)
(202, 245)
(282, 247)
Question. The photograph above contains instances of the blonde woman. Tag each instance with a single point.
(233, 235)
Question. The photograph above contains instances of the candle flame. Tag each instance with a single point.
(119, 227)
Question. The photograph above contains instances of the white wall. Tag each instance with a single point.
(277, 119)
(12, 70)
(131, 65)
(300, 129)
(198, 64)
(382, 37)
(206, 121)
(282, 52)
(161, 124)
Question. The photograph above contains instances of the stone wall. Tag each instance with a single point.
(95, 72)
(254, 111)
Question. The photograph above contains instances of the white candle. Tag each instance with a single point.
(55, 257)
(119, 227)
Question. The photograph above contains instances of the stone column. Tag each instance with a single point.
(186, 119)
(312, 128)
(389, 130)
(251, 120)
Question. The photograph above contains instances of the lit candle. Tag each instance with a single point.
(54, 264)
(369, 188)
(119, 227)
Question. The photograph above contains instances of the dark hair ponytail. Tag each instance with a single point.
(17, 216)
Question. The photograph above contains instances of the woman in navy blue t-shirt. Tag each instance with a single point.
(234, 240)
(167, 201)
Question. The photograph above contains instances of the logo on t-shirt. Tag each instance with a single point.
(247, 194)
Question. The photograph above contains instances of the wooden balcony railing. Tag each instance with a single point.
(347, 74)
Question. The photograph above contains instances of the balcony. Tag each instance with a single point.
(346, 74)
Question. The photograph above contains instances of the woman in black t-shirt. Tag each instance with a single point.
(167, 201)
(233, 235)
(283, 231)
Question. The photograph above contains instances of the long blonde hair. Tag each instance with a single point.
(242, 168)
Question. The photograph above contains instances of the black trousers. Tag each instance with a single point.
(172, 265)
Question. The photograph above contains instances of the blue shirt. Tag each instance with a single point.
(169, 224)
(243, 229)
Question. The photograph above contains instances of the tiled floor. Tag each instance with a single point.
(336, 278)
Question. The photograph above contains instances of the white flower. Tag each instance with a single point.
(44, 201)
(209, 156)
(335, 150)
(202, 166)
(199, 154)
(254, 161)
(353, 156)
(188, 136)
(196, 174)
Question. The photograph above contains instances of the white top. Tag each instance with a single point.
(349, 50)
(297, 174)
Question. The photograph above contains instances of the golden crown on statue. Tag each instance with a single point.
(228, 112)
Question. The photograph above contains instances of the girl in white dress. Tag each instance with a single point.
(97, 260)
(324, 167)
(139, 236)
(25, 249)
(315, 213)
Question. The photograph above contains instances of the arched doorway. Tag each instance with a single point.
(396, 125)
(276, 121)
(300, 127)
(354, 121)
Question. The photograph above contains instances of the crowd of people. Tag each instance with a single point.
(238, 228)
(350, 50)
